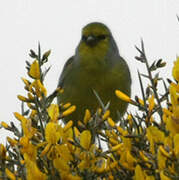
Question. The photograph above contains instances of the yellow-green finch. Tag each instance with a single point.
(96, 65)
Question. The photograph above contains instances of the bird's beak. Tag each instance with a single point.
(91, 40)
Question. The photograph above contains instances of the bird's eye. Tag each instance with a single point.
(84, 38)
(102, 37)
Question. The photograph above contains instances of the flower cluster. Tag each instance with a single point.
(143, 146)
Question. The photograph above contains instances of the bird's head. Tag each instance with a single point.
(95, 35)
(96, 42)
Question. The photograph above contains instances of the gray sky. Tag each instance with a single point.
(57, 26)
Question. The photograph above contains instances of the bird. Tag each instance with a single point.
(95, 67)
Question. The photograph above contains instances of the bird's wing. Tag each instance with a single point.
(66, 69)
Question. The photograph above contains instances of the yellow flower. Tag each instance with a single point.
(106, 115)
(28, 148)
(87, 116)
(161, 159)
(12, 142)
(174, 95)
(141, 102)
(62, 162)
(64, 152)
(76, 132)
(53, 112)
(139, 174)
(41, 88)
(4, 125)
(85, 139)
(26, 82)
(121, 130)
(67, 105)
(30, 96)
(68, 126)
(28, 130)
(154, 135)
(127, 160)
(33, 171)
(126, 141)
(151, 103)
(129, 118)
(175, 115)
(111, 122)
(64, 170)
(61, 165)
(175, 71)
(22, 98)
(69, 111)
(53, 132)
(113, 141)
(164, 152)
(117, 147)
(176, 145)
(2, 151)
(163, 176)
(100, 165)
(171, 125)
(34, 71)
(123, 96)
(142, 155)
(38, 88)
(9, 174)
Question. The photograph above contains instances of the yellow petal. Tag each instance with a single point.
(113, 164)
(53, 112)
(45, 150)
(4, 125)
(77, 132)
(121, 130)
(61, 165)
(87, 116)
(161, 159)
(22, 98)
(173, 95)
(175, 71)
(69, 111)
(106, 115)
(176, 145)
(26, 82)
(42, 88)
(144, 158)
(9, 174)
(111, 122)
(154, 135)
(85, 139)
(19, 116)
(34, 71)
(12, 142)
(163, 176)
(2, 151)
(53, 132)
(30, 96)
(67, 105)
(167, 112)
(151, 103)
(164, 152)
(139, 174)
(113, 141)
(68, 126)
(141, 101)
(33, 172)
(123, 96)
(117, 147)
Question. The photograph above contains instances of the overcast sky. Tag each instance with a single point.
(57, 25)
